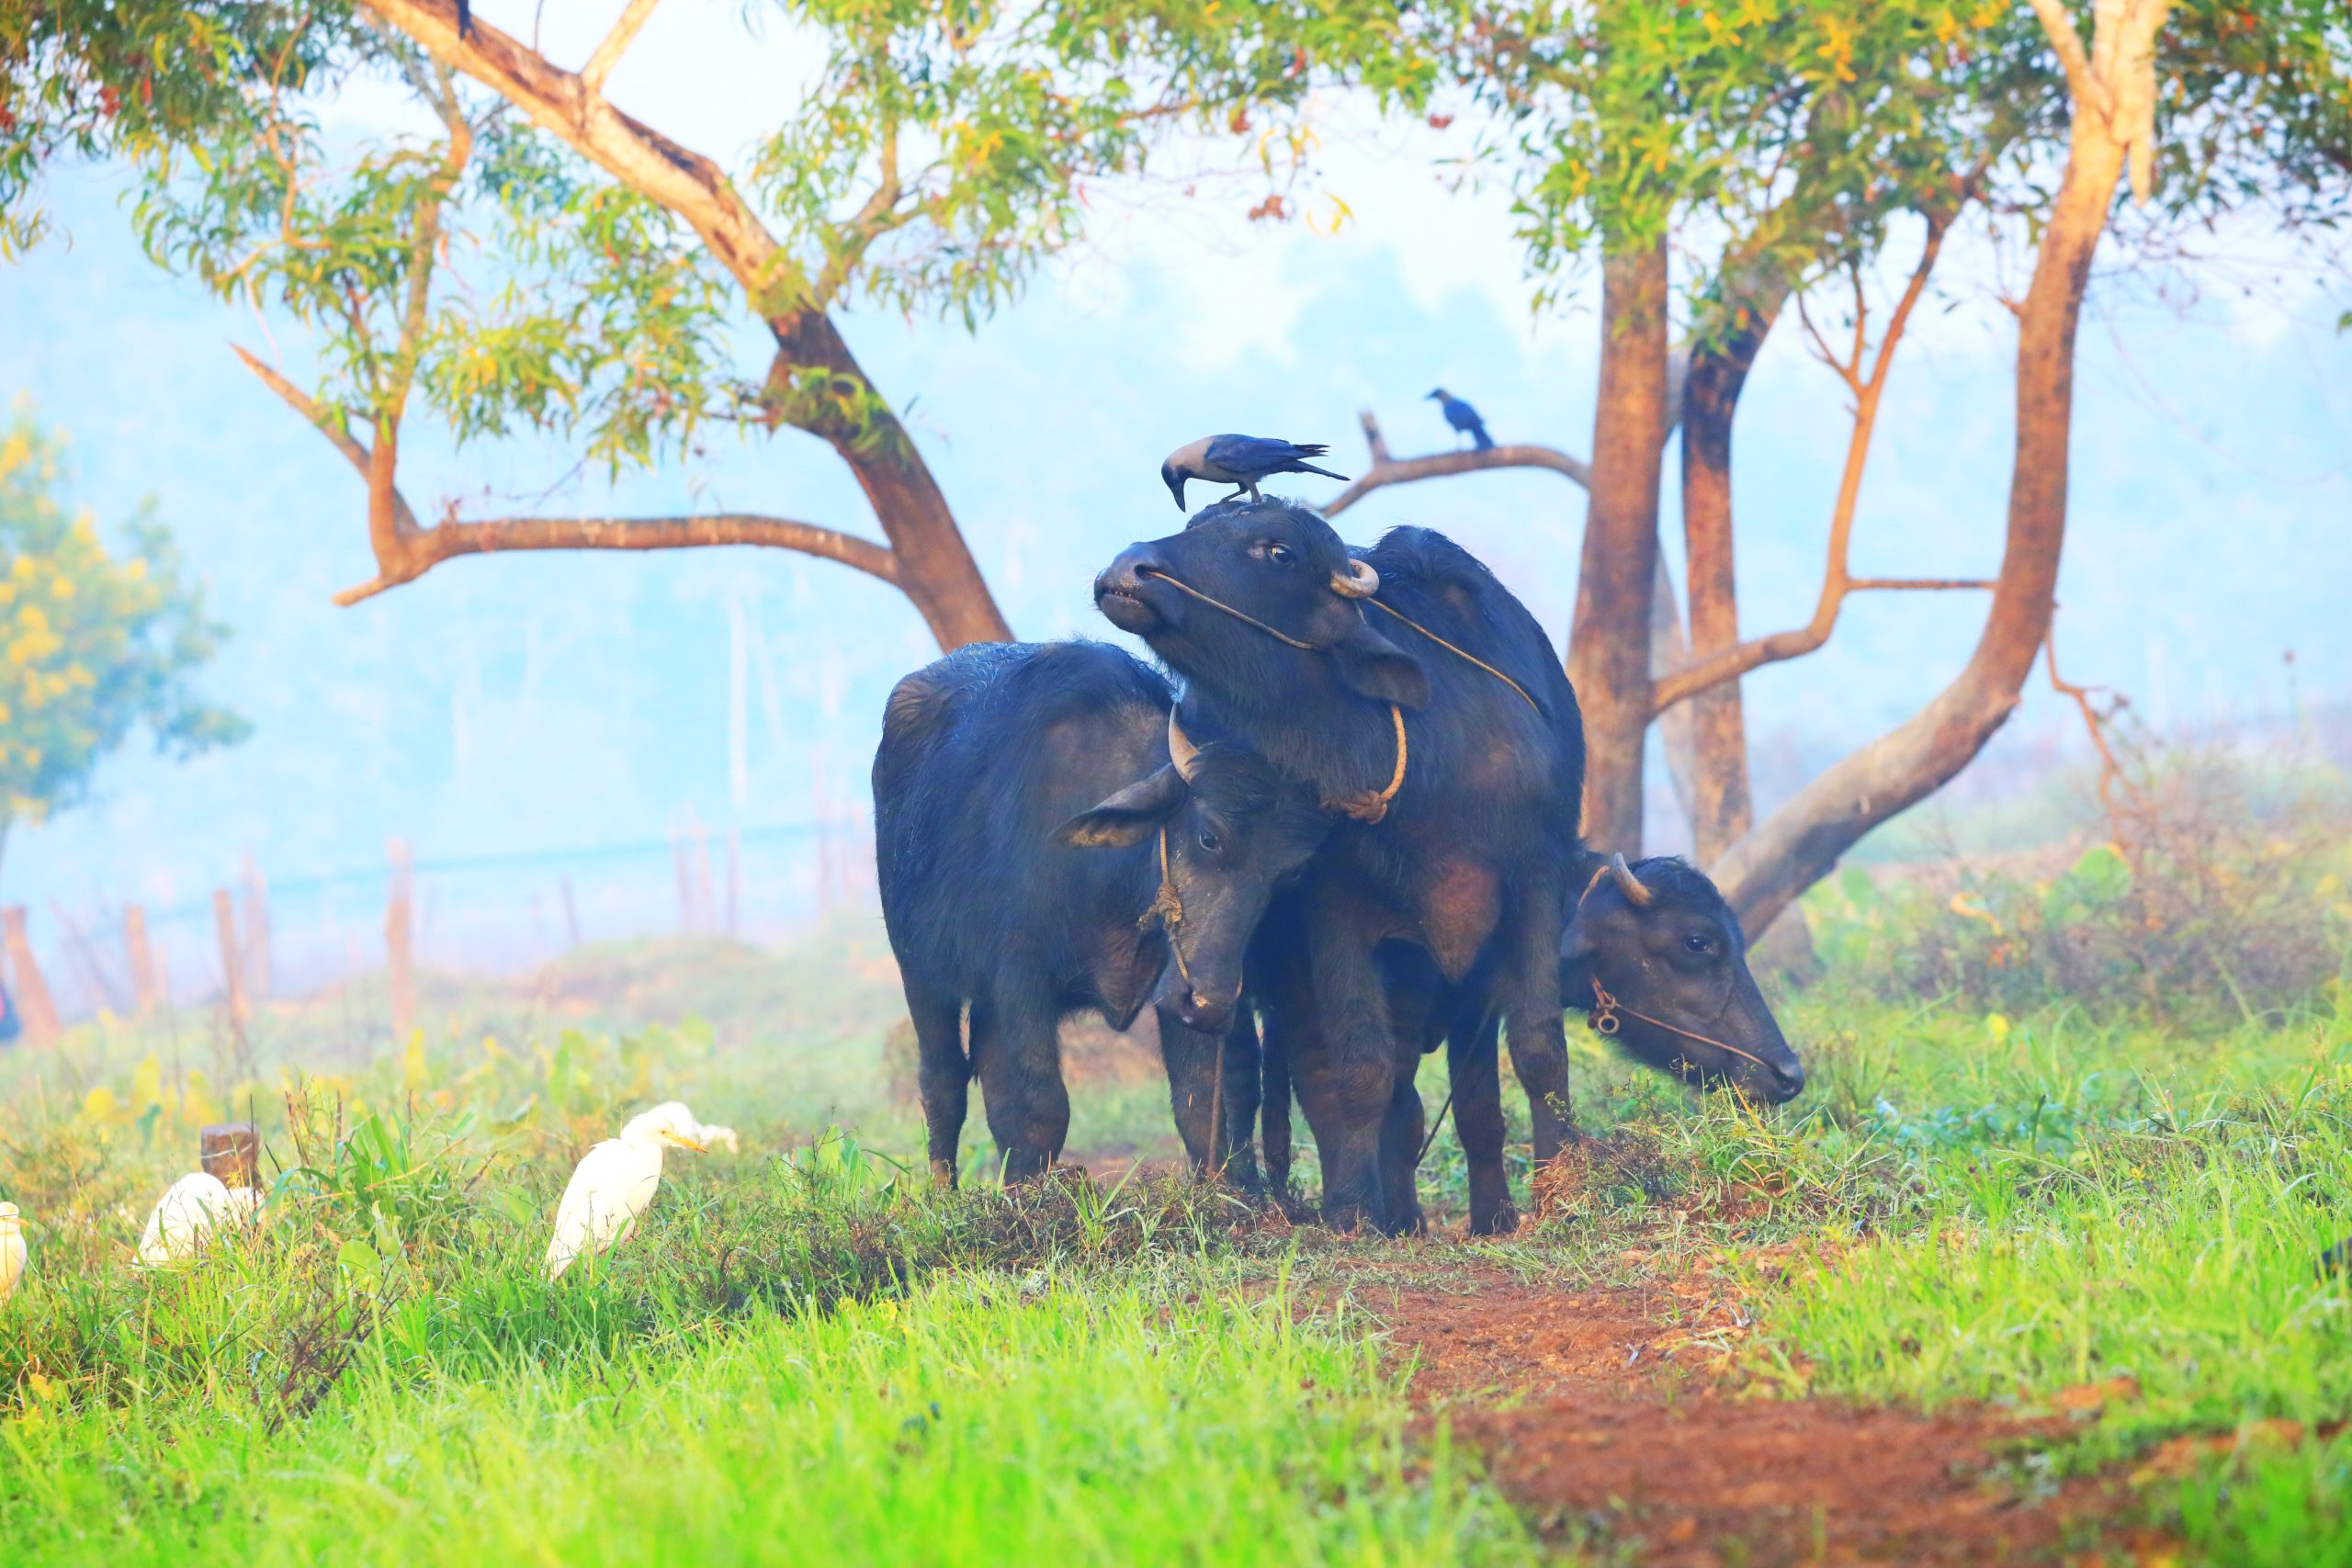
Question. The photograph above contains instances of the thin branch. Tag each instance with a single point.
(1836, 580)
(330, 424)
(493, 535)
(608, 53)
(1915, 584)
(1387, 470)
(2067, 43)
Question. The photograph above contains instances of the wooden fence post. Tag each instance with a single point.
(734, 882)
(233, 968)
(257, 933)
(141, 958)
(685, 881)
(397, 938)
(31, 994)
(231, 1153)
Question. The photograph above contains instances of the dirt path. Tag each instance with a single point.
(1598, 1413)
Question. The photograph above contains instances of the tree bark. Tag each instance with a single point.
(1721, 813)
(1802, 842)
(1609, 642)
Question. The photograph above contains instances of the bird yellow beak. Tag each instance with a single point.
(686, 1143)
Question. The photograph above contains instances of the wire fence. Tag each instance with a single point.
(483, 915)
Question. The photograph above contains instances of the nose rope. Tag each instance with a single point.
(1603, 1020)
(1167, 908)
(1279, 635)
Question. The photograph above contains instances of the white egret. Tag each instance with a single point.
(187, 1213)
(615, 1184)
(12, 1250)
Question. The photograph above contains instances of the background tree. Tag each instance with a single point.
(1789, 147)
(94, 643)
(540, 259)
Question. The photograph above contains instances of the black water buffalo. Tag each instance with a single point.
(1046, 840)
(1450, 911)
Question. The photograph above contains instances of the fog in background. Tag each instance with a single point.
(560, 718)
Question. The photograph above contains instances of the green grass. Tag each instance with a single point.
(980, 1419)
(1967, 1205)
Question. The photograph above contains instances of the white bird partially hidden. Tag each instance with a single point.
(615, 1184)
(186, 1215)
(12, 1250)
(708, 1134)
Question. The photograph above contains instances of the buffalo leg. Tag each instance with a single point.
(1478, 1120)
(1016, 1050)
(1532, 1018)
(1401, 1130)
(943, 1075)
(1274, 1063)
(1344, 1082)
(1213, 1075)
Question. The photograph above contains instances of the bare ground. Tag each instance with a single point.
(1604, 1415)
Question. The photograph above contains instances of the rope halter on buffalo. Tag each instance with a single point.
(1359, 582)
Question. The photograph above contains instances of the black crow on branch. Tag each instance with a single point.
(1464, 418)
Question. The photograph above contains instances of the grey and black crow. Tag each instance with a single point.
(1240, 460)
(1464, 418)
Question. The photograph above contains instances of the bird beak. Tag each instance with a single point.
(686, 1143)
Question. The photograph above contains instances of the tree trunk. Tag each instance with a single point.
(1721, 811)
(1609, 642)
(1802, 842)
(936, 567)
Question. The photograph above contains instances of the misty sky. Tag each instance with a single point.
(561, 702)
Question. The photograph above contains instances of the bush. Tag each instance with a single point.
(2213, 889)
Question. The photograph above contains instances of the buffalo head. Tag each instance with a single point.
(1194, 596)
(1226, 829)
(1656, 950)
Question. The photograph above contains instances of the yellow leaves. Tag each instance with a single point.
(1997, 1027)
(1336, 216)
(14, 453)
(415, 1070)
(100, 1107)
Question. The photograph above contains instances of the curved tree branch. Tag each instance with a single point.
(1836, 580)
(1802, 840)
(1385, 470)
(934, 565)
(430, 548)
(417, 550)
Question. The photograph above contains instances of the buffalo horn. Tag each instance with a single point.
(1180, 749)
(1628, 884)
(1359, 582)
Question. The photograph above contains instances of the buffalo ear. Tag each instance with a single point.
(1128, 816)
(1370, 664)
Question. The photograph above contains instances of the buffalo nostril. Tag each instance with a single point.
(1792, 1079)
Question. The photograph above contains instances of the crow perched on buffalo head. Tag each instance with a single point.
(1240, 461)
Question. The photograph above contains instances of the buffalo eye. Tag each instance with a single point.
(1279, 555)
(1210, 843)
(1701, 943)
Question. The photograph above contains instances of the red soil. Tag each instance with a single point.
(1603, 1410)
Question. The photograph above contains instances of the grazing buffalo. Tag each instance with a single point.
(1452, 902)
(1046, 840)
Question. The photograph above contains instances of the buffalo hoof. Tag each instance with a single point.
(1502, 1222)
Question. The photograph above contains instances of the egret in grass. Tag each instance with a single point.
(615, 1184)
(187, 1214)
(12, 1250)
